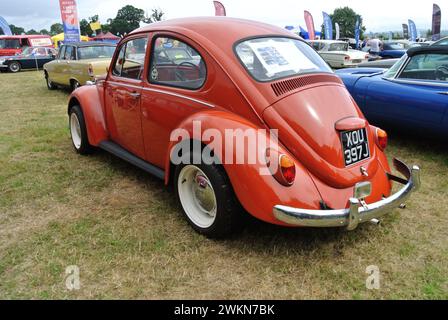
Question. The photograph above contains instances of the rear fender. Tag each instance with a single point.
(257, 191)
(90, 99)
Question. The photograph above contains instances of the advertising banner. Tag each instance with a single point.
(310, 25)
(5, 27)
(357, 33)
(436, 22)
(412, 30)
(328, 26)
(220, 10)
(405, 31)
(70, 21)
(338, 31)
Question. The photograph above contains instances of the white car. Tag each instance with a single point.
(338, 53)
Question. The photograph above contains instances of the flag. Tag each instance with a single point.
(405, 31)
(328, 25)
(357, 32)
(412, 30)
(436, 22)
(310, 25)
(220, 10)
(70, 21)
(95, 26)
(5, 27)
(338, 30)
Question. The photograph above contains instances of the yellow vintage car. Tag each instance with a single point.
(78, 63)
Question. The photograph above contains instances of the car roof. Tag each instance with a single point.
(90, 44)
(215, 32)
(427, 49)
(31, 36)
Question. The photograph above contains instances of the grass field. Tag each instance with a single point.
(123, 230)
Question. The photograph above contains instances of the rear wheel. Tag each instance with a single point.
(74, 85)
(78, 131)
(207, 200)
(14, 67)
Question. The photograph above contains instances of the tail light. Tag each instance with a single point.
(282, 167)
(367, 56)
(381, 138)
(91, 70)
(346, 58)
(287, 169)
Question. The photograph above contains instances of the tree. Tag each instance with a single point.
(346, 18)
(84, 26)
(156, 15)
(128, 19)
(16, 30)
(45, 32)
(56, 28)
(32, 31)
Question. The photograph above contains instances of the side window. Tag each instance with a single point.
(175, 63)
(131, 59)
(62, 53)
(69, 53)
(427, 67)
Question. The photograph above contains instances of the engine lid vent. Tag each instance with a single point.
(285, 86)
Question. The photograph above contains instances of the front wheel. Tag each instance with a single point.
(208, 200)
(50, 84)
(14, 67)
(78, 131)
(74, 85)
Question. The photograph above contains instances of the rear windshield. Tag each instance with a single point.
(271, 58)
(338, 47)
(95, 52)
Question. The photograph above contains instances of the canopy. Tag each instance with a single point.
(106, 37)
(60, 38)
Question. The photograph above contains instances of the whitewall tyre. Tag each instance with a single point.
(14, 67)
(207, 199)
(78, 131)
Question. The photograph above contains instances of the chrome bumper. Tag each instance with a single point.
(358, 211)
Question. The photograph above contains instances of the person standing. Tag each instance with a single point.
(375, 46)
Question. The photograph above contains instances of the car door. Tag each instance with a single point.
(67, 65)
(417, 96)
(172, 92)
(55, 68)
(123, 95)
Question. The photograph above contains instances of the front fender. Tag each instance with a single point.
(258, 193)
(90, 99)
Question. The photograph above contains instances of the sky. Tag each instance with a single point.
(379, 15)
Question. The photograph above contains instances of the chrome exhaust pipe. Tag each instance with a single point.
(376, 222)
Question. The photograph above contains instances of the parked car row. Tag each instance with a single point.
(30, 58)
(325, 165)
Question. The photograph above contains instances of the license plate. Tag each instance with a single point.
(355, 145)
(357, 61)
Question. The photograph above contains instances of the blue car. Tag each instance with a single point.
(30, 58)
(413, 94)
(393, 50)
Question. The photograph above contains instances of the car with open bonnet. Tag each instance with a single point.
(253, 123)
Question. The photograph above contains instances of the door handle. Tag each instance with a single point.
(135, 95)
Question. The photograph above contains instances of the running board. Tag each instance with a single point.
(121, 153)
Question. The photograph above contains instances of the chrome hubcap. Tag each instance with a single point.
(14, 67)
(197, 196)
(75, 130)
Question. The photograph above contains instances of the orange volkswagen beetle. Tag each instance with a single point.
(239, 116)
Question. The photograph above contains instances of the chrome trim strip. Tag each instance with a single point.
(178, 95)
(358, 211)
(428, 83)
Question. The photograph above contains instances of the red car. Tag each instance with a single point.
(239, 116)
